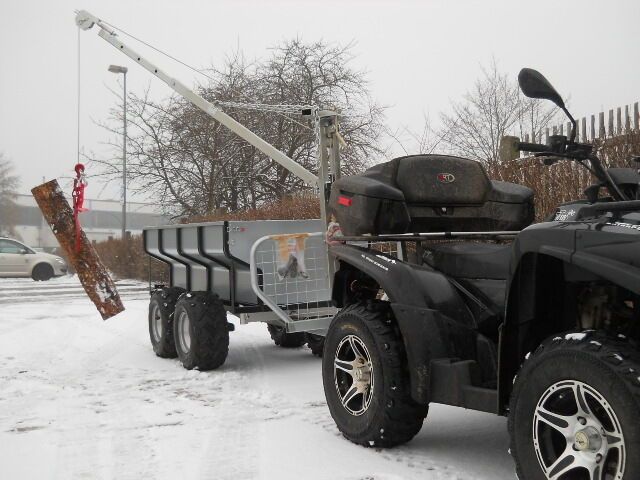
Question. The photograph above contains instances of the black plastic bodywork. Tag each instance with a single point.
(547, 257)
(441, 316)
(434, 319)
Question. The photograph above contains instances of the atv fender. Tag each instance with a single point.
(544, 254)
(433, 319)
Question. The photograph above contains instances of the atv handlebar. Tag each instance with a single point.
(558, 147)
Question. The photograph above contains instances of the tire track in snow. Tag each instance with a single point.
(19, 291)
(238, 431)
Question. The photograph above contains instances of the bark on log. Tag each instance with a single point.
(92, 274)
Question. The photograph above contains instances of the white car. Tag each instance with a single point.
(18, 260)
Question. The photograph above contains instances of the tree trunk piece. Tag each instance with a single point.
(92, 273)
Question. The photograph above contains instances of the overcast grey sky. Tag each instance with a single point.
(419, 54)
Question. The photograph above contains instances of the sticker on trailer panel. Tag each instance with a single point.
(291, 255)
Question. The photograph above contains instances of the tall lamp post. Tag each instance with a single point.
(123, 70)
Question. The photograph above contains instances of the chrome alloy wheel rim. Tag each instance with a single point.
(156, 323)
(184, 333)
(577, 435)
(353, 375)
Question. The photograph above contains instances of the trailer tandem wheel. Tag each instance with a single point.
(315, 343)
(161, 307)
(286, 340)
(201, 331)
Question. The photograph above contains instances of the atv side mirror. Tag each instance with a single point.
(534, 85)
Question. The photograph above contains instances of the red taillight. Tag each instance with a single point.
(346, 201)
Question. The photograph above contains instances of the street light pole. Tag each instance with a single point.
(124, 163)
(123, 70)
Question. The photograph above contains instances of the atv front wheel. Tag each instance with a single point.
(286, 340)
(366, 377)
(201, 331)
(574, 410)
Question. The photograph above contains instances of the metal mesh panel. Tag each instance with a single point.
(301, 296)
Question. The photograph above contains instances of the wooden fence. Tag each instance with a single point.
(587, 131)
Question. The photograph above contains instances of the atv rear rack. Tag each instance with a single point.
(418, 237)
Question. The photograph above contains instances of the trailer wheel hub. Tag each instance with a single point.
(184, 332)
(156, 323)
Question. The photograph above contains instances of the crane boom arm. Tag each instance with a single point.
(85, 21)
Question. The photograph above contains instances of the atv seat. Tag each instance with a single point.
(470, 260)
(483, 269)
(428, 193)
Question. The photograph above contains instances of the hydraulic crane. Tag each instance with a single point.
(326, 120)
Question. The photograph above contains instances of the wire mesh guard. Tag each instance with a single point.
(293, 274)
(393, 249)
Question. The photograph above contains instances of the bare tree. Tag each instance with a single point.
(494, 108)
(8, 185)
(427, 140)
(193, 166)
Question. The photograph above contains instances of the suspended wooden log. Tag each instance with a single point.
(92, 274)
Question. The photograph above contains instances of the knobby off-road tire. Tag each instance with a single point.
(161, 307)
(315, 343)
(286, 340)
(42, 272)
(593, 380)
(384, 415)
(201, 331)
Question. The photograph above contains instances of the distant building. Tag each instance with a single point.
(102, 222)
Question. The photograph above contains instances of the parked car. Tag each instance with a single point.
(18, 260)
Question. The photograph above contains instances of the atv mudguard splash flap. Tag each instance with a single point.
(433, 319)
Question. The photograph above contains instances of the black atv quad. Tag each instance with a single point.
(543, 328)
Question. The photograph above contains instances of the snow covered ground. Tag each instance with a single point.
(87, 399)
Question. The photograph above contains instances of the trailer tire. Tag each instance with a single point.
(161, 307)
(599, 373)
(201, 331)
(286, 340)
(315, 343)
(388, 415)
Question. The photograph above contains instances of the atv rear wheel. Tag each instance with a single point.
(201, 331)
(286, 340)
(366, 377)
(161, 307)
(574, 410)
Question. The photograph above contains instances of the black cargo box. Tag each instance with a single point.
(428, 193)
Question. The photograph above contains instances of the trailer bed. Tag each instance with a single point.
(216, 257)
